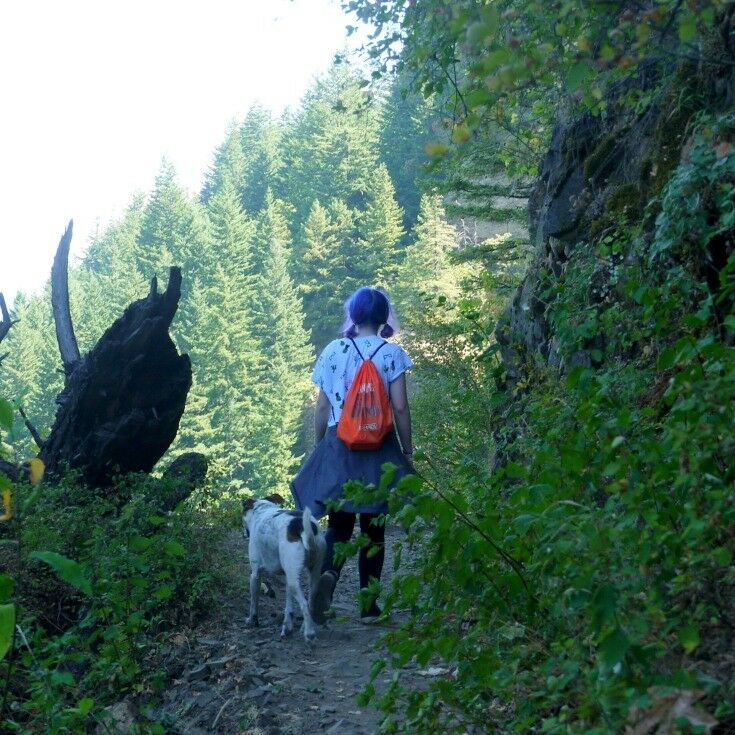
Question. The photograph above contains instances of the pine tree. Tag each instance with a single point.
(173, 230)
(320, 269)
(114, 250)
(381, 230)
(427, 268)
(330, 147)
(410, 121)
(31, 372)
(197, 430)
(272, 228)
(260, 140)
(108, 279)
(229, 165)
(237, 355)
(218, 330)
(284, 383)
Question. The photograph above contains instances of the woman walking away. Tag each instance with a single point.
(370, 319)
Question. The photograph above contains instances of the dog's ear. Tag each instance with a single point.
(275, 498)
(247, 504)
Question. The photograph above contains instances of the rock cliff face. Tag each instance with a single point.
(598, 171)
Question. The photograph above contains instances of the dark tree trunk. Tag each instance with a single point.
(122, 402)
(184, 475)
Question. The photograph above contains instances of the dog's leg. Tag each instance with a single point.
(252, 619)
(287, 628)
(292, 585)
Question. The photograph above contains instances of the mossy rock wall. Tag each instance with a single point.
(598, 174)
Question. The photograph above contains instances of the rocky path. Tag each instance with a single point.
(226, 678)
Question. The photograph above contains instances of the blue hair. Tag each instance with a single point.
(372, 307)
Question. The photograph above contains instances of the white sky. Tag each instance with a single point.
(95, 92)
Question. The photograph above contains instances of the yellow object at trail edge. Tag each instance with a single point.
(35, 470)
(8, 505)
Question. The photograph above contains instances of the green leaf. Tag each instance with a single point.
(5, 483)
(603, 606)
(687, 28)
(67, 569)
(617, 441)
(689, 638)
(577, 75)
(435, 150)
(411, 484)
(478, 32)
(572, 460)
(6, 414)
(514, 470)
(62, 678)
(614, 646)
(667, 358)
(576, 375)
(722, 556)
(163, 593)
(7, 625)
(6, 587)
(174, 548)
(85, 705)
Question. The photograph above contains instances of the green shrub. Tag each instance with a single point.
(590, 572)
(90, 642)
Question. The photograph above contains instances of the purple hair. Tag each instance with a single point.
(369, 306)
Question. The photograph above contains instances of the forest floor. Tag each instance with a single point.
(226, 678)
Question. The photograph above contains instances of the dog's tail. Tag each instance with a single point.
(307, 535)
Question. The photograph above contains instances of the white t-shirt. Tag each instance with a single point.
(336, 367)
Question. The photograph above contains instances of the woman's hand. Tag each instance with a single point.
(402, 414)
(321, 416)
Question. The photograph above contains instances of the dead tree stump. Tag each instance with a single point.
(122, 402)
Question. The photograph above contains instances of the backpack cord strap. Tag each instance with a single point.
(358, 349)
(377, 349)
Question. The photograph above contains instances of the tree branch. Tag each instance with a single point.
(65, 337)
(31, 428)
(5, 321)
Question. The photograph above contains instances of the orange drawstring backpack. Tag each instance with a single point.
(366, 416)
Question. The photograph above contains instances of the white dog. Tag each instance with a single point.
(288, 542)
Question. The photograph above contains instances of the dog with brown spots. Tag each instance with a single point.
(282, 541)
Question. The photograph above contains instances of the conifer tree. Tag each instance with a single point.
(381, 230)
(427, 267)
(320, 271)
(284, 383)
(197, 430)
(31, 373)
(330, 148)
(173, 229)
(410, 121)
(229, 165)
(272, 226)
(236, 355)
(113, 251)
(108, 279)
(260, 140)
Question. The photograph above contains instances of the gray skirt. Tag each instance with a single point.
(331, 465)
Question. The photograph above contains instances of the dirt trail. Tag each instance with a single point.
(226, 678)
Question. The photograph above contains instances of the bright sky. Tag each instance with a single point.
(96, 92)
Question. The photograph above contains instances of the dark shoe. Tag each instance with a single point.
(322, 599)
(371, 615)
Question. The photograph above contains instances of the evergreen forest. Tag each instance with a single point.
(546, 190)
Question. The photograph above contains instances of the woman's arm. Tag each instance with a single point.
(401, 412)
(321, 416)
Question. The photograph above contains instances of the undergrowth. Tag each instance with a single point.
(584, 579)
(127, 574)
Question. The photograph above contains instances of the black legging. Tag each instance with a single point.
(339, 530)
